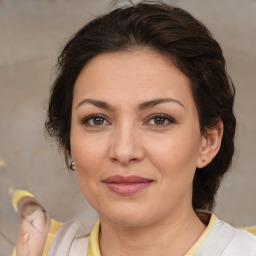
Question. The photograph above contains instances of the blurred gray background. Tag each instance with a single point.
(32, 33)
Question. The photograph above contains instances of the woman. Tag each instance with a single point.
(143, 108)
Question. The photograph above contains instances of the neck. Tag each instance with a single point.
(170, 236)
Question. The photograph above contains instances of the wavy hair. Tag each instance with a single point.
(172, 32)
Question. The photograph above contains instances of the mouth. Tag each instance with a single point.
(127, 185)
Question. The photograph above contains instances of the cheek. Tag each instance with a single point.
(175, 150)
(175, 156)
(88, 154)
(86, 149)
(88, 158)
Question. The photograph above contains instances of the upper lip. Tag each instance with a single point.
(126, 179)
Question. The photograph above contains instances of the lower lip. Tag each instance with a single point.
(127, 188)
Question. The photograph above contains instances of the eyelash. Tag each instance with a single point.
(171, 120)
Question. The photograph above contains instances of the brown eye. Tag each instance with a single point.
(98, 120)
(161, 120)
(94, 120)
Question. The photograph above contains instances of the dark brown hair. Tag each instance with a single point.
(174, 33)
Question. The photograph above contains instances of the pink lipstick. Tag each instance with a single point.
(126, 185)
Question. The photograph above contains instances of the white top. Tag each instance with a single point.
(219, 239)
(225, 240)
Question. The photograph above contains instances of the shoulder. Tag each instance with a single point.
(243, 242)
(225, 240)
(234, 241)
(70, 238)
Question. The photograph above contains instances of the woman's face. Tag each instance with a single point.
(135, 137)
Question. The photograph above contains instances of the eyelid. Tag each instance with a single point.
(170, 119)
(87, 118)
(167, 117)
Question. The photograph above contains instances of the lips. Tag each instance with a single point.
(127, 185)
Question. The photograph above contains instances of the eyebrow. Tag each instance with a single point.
(142, 106)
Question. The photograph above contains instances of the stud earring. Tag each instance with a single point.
(72, 166)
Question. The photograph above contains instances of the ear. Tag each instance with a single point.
(211, 143)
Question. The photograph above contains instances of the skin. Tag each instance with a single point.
(34, 225)
(128, 141)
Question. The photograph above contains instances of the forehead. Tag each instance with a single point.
(135, 75)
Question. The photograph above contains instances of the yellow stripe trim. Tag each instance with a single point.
(251, 230)
(93, 247)
(198, 243)
(14, 252)
(17, 195)
(55, 225)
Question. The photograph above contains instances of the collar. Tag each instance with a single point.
(94, 250)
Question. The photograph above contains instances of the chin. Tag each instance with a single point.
(127, 220)
(126, 215)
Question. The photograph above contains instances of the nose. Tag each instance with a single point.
(126, 145)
